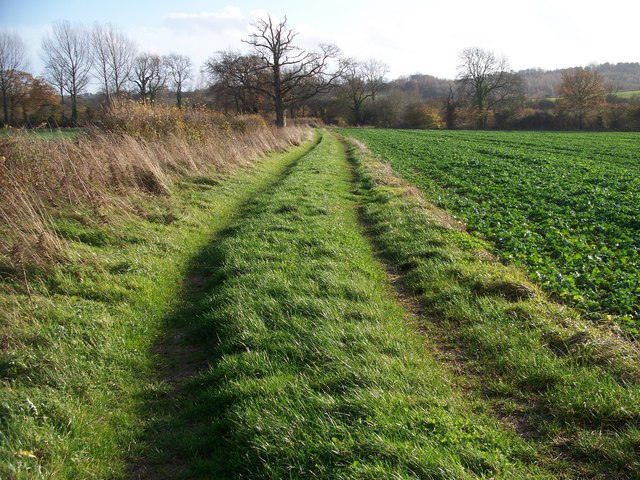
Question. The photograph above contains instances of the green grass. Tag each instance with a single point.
(44, 133)
(628, 94)
(313, 368)
(563, 205)
(251, 326)
(570, 388)
(77, 345)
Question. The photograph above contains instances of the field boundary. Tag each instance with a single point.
(525, 366)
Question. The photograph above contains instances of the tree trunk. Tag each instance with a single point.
(74, 110)
(74, 100)
(5, 107)
(281, 113)
(356, 113)
(179, 98)
(450, 111)
(480, 112)
(12, 112)
(281, 110)
(106, 85)
(62, 115)
(5, 101)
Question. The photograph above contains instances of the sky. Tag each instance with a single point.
(409, 36)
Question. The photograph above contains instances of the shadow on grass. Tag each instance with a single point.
(177, 434)
(188, 435)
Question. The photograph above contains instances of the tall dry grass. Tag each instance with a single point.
(136, 148)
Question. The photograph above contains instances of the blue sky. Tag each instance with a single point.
(410, 36)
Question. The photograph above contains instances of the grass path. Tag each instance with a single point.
(571, 389)
(310, 366)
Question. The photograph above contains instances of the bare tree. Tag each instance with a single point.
(179, 70)
(295, 75)
(375, 73)
(55, 74)
(148, 76)
(353, 87)
(235, 78)
(12, 61)
(361, 81)
(581, 93)
(68, 61)
(486, 81)
(114, 53)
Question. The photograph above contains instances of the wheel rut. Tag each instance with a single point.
(452, 358)
(179, 358)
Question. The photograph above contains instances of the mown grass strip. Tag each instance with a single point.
(315, 371)
(77, 342)
(571, 388)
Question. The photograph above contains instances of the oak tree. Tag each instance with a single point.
(148, 75)
(485, 81)
(293, 74)
(231, 74)
(581, 93)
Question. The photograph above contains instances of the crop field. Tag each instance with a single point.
(566, 206)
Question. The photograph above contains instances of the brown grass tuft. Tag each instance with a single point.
(136, 149)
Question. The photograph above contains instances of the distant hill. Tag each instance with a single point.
(422, 86)
(619, 77)
(538, 83)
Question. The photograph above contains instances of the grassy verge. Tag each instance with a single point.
(562, 206)
(314, 369)
(139, 149)
(77, 341)
(568, 387)
(44, 133)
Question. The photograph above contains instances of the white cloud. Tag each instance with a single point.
(164, 40)
(195, 23)
(261, 13)
(198, 35)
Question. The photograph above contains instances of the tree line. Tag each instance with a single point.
(278, 78)
(73, 57)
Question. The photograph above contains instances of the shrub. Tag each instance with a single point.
(421, 116)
